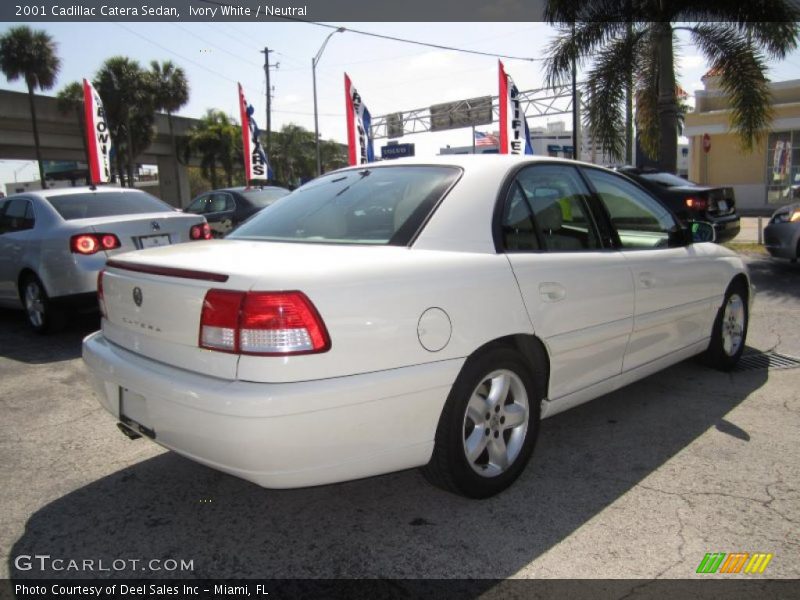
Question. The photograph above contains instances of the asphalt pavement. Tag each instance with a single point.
(641, 483)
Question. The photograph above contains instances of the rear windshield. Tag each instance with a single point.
(378, 205)
(106, 204)
(262, 198)
(667, 179)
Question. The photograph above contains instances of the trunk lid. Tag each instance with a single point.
(362, 293)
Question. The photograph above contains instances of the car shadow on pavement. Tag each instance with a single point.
(19, 342)
(392, 526)
(775, 279)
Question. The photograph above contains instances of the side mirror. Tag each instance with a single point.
(702, 232)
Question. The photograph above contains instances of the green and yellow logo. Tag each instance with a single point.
(735, 562)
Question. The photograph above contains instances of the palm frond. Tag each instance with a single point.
(575, 45)
(771, 24)
(605, 92)
(741, 69)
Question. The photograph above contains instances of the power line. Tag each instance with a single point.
(204, 67)
(210, 43)
(416, 42)
(399, 39)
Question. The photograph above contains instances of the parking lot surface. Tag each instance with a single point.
(641, 483)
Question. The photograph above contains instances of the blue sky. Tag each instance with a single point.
(390, 76)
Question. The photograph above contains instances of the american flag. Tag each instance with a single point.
(485, 139)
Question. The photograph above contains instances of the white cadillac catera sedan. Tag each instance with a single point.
(409, 313)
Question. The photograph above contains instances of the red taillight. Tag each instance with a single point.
(696, 203)
(200, 232)
(261, 323)
(92, 243)
(101, 300)
(219, 321)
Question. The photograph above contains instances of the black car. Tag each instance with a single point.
(224, 209)
(690, 201)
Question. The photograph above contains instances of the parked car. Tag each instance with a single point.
(782, 234)
(409, 313)
(690, 201)
(54, 242)
(225, 209)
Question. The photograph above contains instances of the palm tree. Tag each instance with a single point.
(129, 104)
(171, 91)
(638, 36)
(293, 155)
(31, 55)
(217, 140)
(70, 100)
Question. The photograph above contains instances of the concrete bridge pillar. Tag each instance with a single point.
(168, 184)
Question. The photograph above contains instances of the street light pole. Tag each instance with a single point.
(314, 63)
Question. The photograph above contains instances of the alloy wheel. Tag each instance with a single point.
(495, 423)
(34, 303)
(733, 323)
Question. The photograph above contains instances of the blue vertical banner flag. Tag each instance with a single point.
(514, 135)
(359, 121)
(256, 166)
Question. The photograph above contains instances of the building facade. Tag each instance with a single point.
(762, 178)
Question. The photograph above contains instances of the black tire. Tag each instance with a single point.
(43, 316)
(720, 354)
(450, 467)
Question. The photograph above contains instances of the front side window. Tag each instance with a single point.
(374, 205)
(199, 206)
(106, 204)
(639, 219)
(546, 209)
(17, 216)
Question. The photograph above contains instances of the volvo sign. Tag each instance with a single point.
(397, 151)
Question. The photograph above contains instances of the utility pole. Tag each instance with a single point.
(266, 52)
(575, 153)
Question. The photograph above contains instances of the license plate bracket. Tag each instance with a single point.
(151, 241)
(133, 412)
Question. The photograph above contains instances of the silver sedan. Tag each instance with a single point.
(54, 242)
(782, 235)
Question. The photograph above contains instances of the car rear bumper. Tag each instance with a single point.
(281, 435)
(72, 275)
(726, 227)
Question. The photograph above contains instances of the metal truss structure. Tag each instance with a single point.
(542, 102)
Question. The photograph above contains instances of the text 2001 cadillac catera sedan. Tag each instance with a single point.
(409, 314)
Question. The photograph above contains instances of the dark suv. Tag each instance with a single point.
(690, 201)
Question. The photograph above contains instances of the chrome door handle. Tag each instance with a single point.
(647, 280)
(552, 291)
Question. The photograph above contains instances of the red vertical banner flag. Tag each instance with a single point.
(514, 135)
(255, 159)
(359, 121)
(98, 139)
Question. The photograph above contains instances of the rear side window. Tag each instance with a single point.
(17, 216)
(262, 198)
(546, 209)
(667, 179)
(379, 205)
(106, 204)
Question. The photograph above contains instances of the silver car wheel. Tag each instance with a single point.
(495, 423)
(733, 323)
(34, 303)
